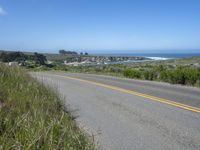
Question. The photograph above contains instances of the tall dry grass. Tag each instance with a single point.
(32, 116)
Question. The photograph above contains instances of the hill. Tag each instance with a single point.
(32, 115)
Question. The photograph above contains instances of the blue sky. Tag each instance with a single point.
(120, 26)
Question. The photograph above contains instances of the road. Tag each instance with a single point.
(125, 114)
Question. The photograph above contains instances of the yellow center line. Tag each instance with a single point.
(149, 97)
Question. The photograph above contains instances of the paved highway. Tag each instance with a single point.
(125, 114)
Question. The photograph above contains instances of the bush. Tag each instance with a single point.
(197, 84)
(191, 76)
(146, 75)
(115, 70)
(149, 75)
(181, 75)
(164, 76)
(130, 73)
(176, 76)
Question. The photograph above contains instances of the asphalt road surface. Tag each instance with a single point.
(125, 114)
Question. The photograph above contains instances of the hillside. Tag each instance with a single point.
(32, 116)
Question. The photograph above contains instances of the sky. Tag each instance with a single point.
(101, 26)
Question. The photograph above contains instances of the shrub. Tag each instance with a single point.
(115, 70)
(164, 76)
(182, 75)
(130, 73)
(191, 76)
(176, 76)
(197, 83)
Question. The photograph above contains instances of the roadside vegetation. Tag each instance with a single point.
(180, 71)
(184, 75)
(32, 115)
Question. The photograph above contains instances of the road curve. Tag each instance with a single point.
(123, 114)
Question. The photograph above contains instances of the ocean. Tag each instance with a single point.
(155, 56)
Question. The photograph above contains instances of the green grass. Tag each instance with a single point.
(33, 117)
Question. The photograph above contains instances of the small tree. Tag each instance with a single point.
(40, 59)
(13, 56)
(62, 51)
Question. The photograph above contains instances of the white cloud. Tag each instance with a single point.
(2, 11)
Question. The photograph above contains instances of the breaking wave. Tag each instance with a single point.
(158, 58)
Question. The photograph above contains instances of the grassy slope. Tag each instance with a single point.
(32, 117)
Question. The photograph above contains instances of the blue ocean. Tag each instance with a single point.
(149, 56)
(156, 56)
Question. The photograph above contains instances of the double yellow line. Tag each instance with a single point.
(149, 97)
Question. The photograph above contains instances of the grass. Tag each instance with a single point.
(33, 117)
